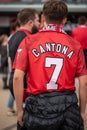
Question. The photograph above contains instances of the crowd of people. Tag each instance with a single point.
(43, 1)
(40, 67)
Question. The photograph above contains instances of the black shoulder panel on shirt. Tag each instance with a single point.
(14, 42)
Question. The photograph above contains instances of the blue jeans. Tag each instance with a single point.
(10, 101)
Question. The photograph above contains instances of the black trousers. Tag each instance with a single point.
(85, 54)
(11, 83)
(53, 111)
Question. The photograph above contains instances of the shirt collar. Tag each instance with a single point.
(52, 27)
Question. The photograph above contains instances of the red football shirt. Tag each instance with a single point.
(80, 34)
(52, 60)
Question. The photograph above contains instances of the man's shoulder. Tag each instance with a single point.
(78, 28)
(18, 34)
(16, 38)
(76, 44)
(33, 37)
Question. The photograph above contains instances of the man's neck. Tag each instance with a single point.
(25, 28)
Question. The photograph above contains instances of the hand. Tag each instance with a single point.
(20, 117)
(83, 117)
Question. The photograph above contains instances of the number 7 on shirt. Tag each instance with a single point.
(58, 62)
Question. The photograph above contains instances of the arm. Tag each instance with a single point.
(20, 66)
(18, 92)
(83, 95)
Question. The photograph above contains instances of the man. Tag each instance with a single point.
(29, 23)
(3, 59)
(80, 34)
(52, 60)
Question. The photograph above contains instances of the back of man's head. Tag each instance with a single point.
(55, 11)
(26, 14)
(82, 20)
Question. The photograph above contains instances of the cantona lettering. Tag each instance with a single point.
(53, 47)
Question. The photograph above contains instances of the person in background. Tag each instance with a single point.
(10, 105)
(29, 24)
(11, 111)
(14, 27)
(80, 34)
(52, 60)
(3, 59)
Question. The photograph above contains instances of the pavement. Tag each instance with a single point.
(9, 122)
(6, 122)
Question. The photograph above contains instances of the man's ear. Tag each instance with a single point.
(64, 21)
(42, 18)
(30, 23)
(43, 21)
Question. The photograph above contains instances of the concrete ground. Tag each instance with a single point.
(9, 122)
(6, 122)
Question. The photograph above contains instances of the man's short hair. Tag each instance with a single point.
(26, 14)
(55, 11)
(82, 20)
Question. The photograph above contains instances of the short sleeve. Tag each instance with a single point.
(21, 58)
